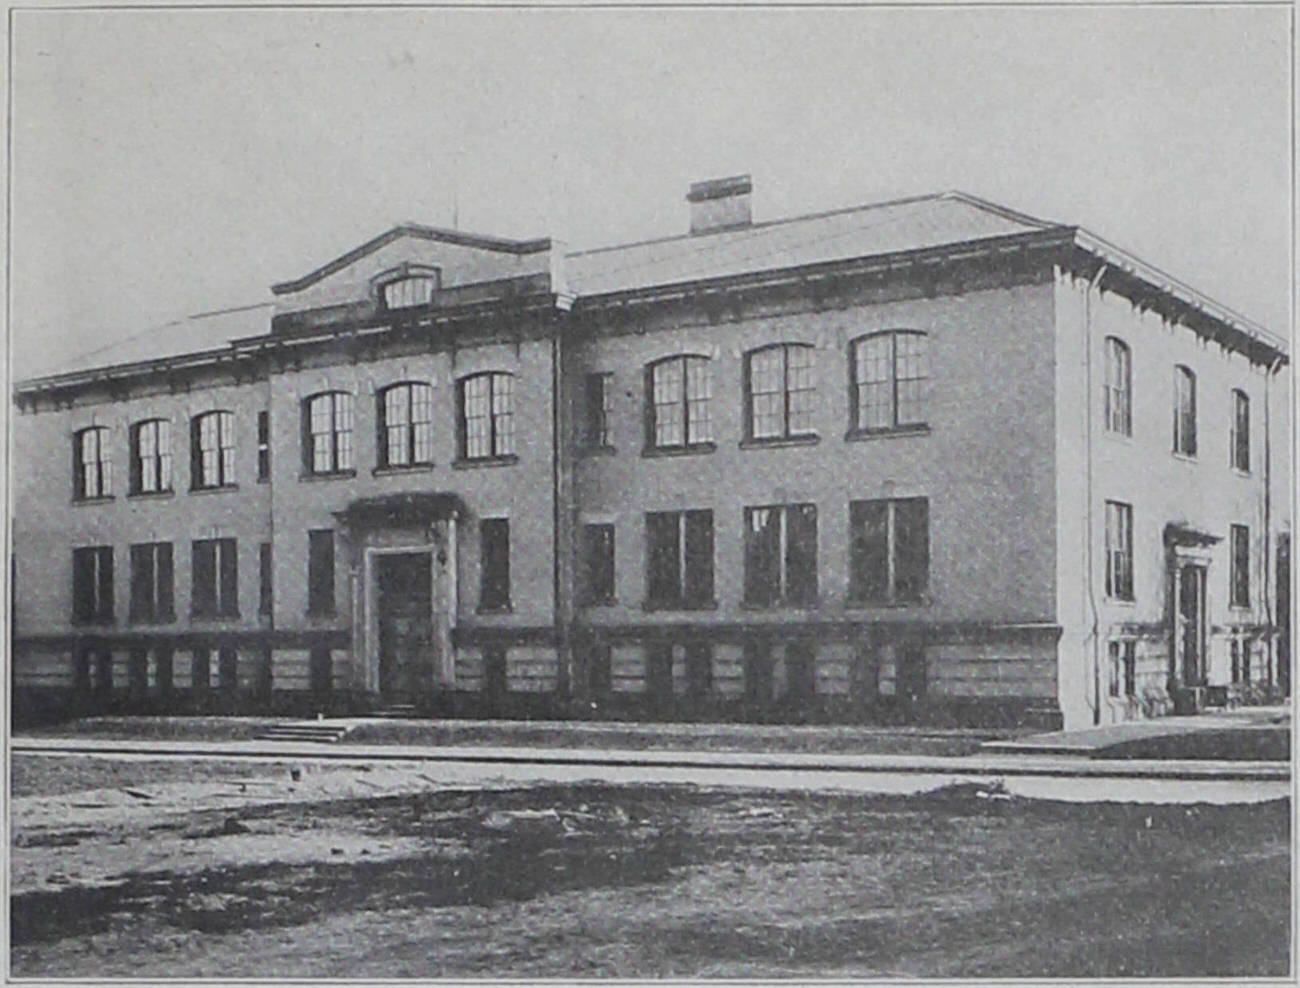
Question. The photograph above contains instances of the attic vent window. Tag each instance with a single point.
(406, 293)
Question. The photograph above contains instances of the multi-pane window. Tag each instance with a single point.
(487, 416)
(597, 563)
(263, 445)
(781, 554)
(781, 391)
(1184, 411)
(152, 583)
(1239, 537)
(92, 465)
(1119, 550)
(212, 450)
(1123, 667)
(1117, 394)
(679, 392)
(890, 380)
(679, 558)
(151, 456)
(1240, 438)
(406, 425)
(92, 585)
(494, 564)
(214, 583)
(597, 406)
(320, 571)
(889, 550)
(403, 293)
(327, 427)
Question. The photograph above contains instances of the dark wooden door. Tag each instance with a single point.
(405, 626)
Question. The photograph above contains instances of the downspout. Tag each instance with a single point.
(1089, 508)
(1268, 519)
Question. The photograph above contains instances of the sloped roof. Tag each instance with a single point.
(917, 223)
(863, 231)
(192, 335)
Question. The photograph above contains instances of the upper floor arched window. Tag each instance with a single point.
(780, 391)
(406, 424)
(212, 450)
(92, 467)
(409, 291)
(679, 395)
(151, 456)
(327, 432)
(486, 416)
(1184, 411)
(1117, 392)
(890, 380)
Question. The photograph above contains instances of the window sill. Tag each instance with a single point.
(693, 449)
(322, 615)
(599, 602)
(487, 461)
(781, 605)
(859, 604)
(151, 495)
(157, 622)
(1122, 601)
(680, 605)
(500, 609)
(399, 470)
(779, 441)
(215, 618)
(311, 477)
(585, 451)
(1243, 474)
(858, 435)
(219, 489)
(1119, 437)
(79, 501)
(1185, 457)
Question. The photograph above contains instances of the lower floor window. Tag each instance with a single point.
(1123, 668)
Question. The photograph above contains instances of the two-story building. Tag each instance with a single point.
(925, 458)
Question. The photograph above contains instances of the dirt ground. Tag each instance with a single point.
(386, 873)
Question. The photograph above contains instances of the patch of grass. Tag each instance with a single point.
(191, 728)
(1222, 744)
(45, 775)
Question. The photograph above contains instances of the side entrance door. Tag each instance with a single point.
(405, 626)
(1190, 637)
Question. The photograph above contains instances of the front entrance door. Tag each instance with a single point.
(405, 626)
(1190, 635)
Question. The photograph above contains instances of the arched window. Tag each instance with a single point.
(406, 424)
(92, 468)
(1184, 411)
(679, 392)
(405, 293)
(327, 433)
(1117, 395)
(780, 392)
(151, 456)
(891, 376)
(212, 450)
(1239, 443)
(487, 416)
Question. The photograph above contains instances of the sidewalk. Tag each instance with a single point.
(982, 764)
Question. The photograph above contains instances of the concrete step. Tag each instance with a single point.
(322, 733)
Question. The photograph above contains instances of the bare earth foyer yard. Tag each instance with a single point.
(601, 880)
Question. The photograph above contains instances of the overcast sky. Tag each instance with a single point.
(172, 162)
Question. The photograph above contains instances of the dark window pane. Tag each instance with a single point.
(699, 557)
(320, 571)
(912, 548)
(598, 562)
(758, 672)
(494, 542)
(229, 602)
(910, 675)
(659, 672)
(142, 583)
(496, 681)
(663, 557)
(203, 582)
(165, 581)
(800, 671)
(869, 550)
(801, 553)
(104, 610)
(699, 670)
(264, 598)
(762, 555)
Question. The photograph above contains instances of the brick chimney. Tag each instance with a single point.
(720, 204)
